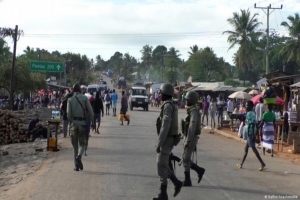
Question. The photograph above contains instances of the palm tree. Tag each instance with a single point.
(173, 59)
(244, 34)
(127, 65)
(5, 54)
(291, 50)
(147, 55)
(194, 49)
(29, 52)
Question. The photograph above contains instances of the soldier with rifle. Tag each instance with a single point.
(191, 129)
(168, 137)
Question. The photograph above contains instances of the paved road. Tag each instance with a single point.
(121, 166)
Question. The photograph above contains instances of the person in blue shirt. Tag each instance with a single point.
(114, 98)
(250, 136)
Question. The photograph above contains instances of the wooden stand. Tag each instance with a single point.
(56, 124)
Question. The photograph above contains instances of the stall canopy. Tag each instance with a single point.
(255, 99)
(240, 95)
(253, 92)
(295, 85)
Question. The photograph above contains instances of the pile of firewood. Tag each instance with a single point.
(13, 128)
(14, 124)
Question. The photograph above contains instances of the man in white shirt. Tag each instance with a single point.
(156, 98)
(259, 110)
(208, 98)
(230, 107)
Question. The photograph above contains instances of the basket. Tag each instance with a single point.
(270, 101)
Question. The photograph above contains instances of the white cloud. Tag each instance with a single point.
(93, 18)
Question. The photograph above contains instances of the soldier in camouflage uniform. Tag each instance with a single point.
(78, 107)
(167, 127)
(191, 130)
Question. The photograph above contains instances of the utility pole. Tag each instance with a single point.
(267, 47)
(11, 95)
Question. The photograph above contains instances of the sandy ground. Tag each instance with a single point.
(21, 163)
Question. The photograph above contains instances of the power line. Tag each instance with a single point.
(126, 35)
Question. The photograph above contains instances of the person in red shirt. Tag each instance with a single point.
(124, 107)
(205, 106)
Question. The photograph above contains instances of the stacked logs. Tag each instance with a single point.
(13, 128)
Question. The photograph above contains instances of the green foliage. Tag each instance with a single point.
(204, 66)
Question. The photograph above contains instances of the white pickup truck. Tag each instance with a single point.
(138, 98)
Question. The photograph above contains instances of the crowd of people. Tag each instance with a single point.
(82, 112)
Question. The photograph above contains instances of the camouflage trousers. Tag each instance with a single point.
(187, 153)
(162, 160)
(78, 139)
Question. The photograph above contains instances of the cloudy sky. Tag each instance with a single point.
(98, 27)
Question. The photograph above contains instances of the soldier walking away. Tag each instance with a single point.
(79, 110)
(124, 107)
(167, 129)
(191, 130)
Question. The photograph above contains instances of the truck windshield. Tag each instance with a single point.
(92, 90)
(139, 92)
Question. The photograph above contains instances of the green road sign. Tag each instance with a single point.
(42, 66)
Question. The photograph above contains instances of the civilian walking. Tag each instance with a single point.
(250, 136)
(63, 109)
(124, 107)
(114, 98)
(212, 112)
(98, 109)
(230, 107)
(259, 111)
(268, 130)
(205, 106)
(107, 99)
(220, 107)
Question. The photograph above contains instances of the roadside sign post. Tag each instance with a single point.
(43, 66)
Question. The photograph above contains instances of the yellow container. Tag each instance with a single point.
(52, 142)
(121, 117)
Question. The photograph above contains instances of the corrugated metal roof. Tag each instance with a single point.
(223, 88)
(295, 85)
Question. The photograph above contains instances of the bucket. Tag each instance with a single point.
(270, 101)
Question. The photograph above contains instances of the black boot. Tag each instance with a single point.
(200, 171)
(76, 168)
(79, 163)
(163, 193)
(187, 180)
(177, 184)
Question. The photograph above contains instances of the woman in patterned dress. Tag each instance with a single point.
(268, 131)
